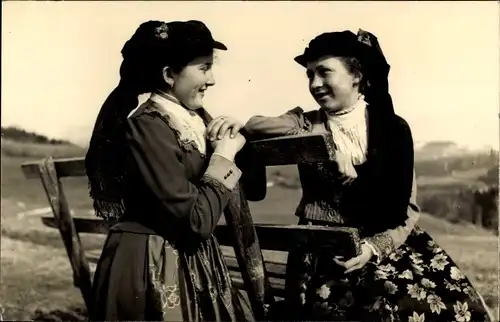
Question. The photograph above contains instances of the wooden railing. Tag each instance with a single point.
(286, 150)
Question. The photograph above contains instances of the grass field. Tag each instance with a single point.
(36, 274)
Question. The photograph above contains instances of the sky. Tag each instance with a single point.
(60, 60)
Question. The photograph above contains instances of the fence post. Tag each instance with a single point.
(248, 254)
(59, 204)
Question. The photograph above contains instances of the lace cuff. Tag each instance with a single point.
(222, 171)
(383, 245)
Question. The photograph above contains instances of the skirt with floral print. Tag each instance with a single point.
(417, 282)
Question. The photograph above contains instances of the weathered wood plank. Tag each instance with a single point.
(84, 225)
(294, 149)
(278, 286)
(65, 167)
(342, 240)
(274, 269)
(284, 150)
(245, 243)
(65, 224)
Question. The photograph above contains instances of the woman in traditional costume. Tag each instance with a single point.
(400, 274)
(152, 169)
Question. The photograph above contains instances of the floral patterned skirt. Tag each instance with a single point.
(417, 282)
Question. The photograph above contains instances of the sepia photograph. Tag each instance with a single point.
(250, 161)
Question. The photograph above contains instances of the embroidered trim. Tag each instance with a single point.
(185, 144)
(168, 295)
(216, 184)
(330, 146)
(383, 243)
(297, 131)
(321, 210)
(353, 233)
(223, 280)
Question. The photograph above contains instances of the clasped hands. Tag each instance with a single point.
(223, 134)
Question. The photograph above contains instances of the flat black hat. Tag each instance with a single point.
(345, 44)
(188, 33)
(169, 39)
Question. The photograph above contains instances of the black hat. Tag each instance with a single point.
(192, 33)
(345, 44)
(170, 39)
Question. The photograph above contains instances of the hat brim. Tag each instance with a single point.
(364, 53)
(219, 45)
(302, 60)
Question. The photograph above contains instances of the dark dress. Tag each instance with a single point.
(411, 278)
(161, 262)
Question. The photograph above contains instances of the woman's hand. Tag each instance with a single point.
(219, 126)
(228, 147)
(357, 262)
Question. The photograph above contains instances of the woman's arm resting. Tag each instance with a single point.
(260, 127)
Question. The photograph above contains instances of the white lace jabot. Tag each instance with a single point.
(350, 132)
(189, 125)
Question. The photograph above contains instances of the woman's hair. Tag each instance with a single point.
(354, 68)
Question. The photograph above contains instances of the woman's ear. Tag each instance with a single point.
(168, 76)
(356, 81)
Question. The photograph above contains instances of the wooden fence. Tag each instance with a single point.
(286, 150)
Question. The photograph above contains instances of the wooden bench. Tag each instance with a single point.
(270, 237)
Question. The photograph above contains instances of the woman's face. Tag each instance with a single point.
(189, 85)
(331, 84)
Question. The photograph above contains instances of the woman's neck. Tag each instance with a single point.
(350, 104)
(169, 96)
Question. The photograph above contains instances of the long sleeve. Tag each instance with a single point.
(261, 127)
(403, 192)
(385, 243)
(185, 205)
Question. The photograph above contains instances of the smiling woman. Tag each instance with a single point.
(190, 83)
(153, 170)
(400, 274)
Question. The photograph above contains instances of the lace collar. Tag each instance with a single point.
(188, 125)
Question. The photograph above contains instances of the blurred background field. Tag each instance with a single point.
(458, 192)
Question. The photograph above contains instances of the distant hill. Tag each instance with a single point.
(450, 165)
(18, 143)
(30, 150)
(19, 135)
(443, 149)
